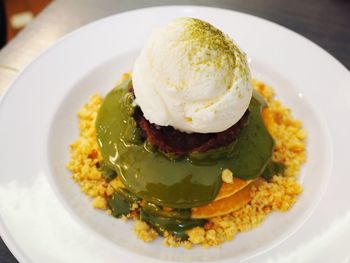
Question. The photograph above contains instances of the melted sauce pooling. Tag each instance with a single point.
(183, 183)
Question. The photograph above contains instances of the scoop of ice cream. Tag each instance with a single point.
(191, 76)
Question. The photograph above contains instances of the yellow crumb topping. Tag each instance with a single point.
(279, 194)
(227, 176)
(287, 132)
(144, 231)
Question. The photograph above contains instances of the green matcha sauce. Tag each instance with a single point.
(180, 183)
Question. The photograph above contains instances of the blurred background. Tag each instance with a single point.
(325, 22)
(16, 14)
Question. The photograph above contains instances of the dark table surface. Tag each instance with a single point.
(325, 22)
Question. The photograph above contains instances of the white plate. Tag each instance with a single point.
(45, 218)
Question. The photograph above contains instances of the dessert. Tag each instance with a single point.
(185, 145)
(192, 77)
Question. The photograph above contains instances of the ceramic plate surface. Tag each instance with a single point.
(45, 217)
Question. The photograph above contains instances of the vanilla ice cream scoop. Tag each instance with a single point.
(191, 76)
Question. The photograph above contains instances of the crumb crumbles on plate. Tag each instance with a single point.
(277, 194)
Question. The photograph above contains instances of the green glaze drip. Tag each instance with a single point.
(176, 221)
(121, 201)
(183, 183)
(177, 227)
(153, 209)
(108, 173)
(272, 169)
